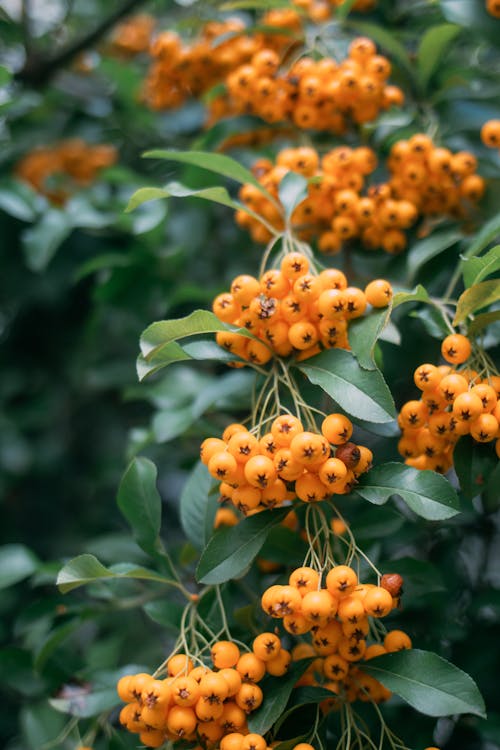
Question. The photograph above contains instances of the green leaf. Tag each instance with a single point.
(87, 569)
(196, 504)
(473, 464)
(277, 691)
(16, 563)
(41, 241)
(428, 494)
(254, 4)
(303, 696)
(219, 163)
(476, 297)
(18, 200)
(483, 321)
(487, 234)
(491, 495)
(476, 269)
(421, 252)
(170, 423)
(231, 550)
(176, 190)
(162, 333)
(472, 15)
(427, 682)
(361, 393)
(140, 503)
(421, 578)
(419, 294)
(292, 190)
(344, 9)
(5, 75)
(173, 352)
(54, 639)
(433, 48)
(166, 613)
(364, 333)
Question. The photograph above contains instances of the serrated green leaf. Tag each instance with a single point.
(424, 250)
(277, 691)
(361, 393)
(364, 333)
(427, 682)
(479, 267)
(196, 503)
(140, 503)
(432, 49)
(221, 164)
(428, 494)
(475, 298)
(419, 294)
(16, 563)
(87, 569)
(292, 191)
(231, 550)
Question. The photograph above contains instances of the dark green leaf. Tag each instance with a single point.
(475, 298)
(277, 691)
(165, 612)
(292, 191)
(282, 546)
(230, 551)
(362, 393)
(428, 494)
(195, 505)
(421, 578)
(433, 48)
(364, 333)
(53, 640)
(16, 562)
(424, 250)
(491, 494)
(473, 464)
(140, 503)
(303, 696)
(428, 683)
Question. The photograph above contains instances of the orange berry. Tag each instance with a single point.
(456, 348)
(225, 654)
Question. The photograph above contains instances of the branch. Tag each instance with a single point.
(38, 69)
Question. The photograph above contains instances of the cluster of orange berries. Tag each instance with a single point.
(453, 403)
(434, 179)
(321, 10)
(202, 704)
(291, 310)
(340, 207)
(55, 171)
(180, 71)
(493, 7)
(285, 463)
(319, 95)
(338, 617)
(490, 134)
(133, 36)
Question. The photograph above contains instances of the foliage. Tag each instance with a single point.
(136, 250)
